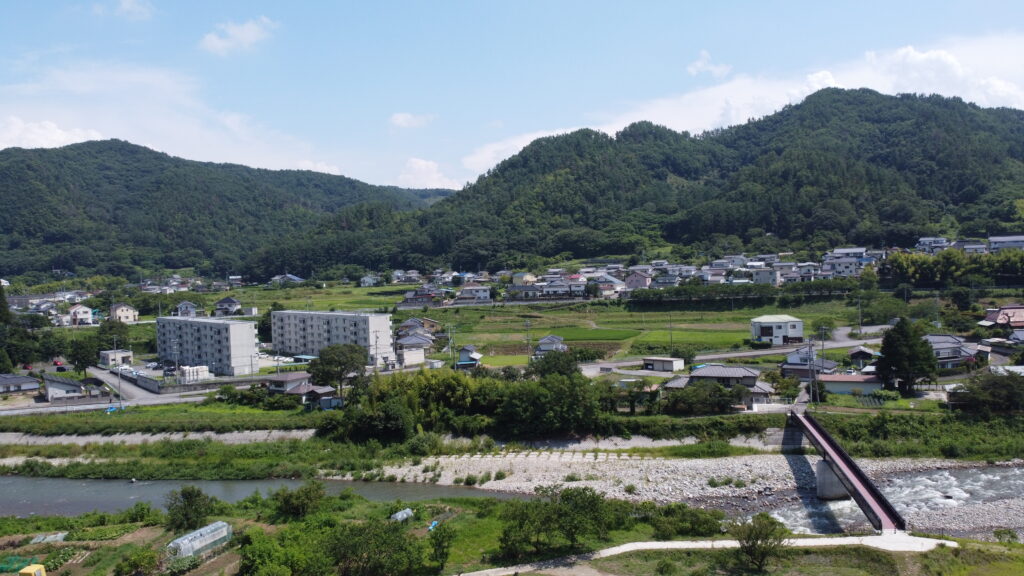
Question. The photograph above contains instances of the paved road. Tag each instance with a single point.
(892, 542)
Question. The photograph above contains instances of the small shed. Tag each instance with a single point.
(660, 364)
(116, 358)
(847, 383)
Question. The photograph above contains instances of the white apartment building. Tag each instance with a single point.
(300, 332)
(226, 347)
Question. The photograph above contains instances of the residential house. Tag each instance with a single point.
(854, 252)
(661, 364)
(638, 280)
(735, 260)
(973, 247)
(727, 376)
(769, 276)
(312, 396)
(370, 280)
(425, 325)
(932, 245)
(4, 282)
(124, 313)
(665, 281)
(997, 243)
(17, 384)
(843, 267)
(1011, 316)
(525, 292)
(523, 279)
(779, 329)
(950, 351)
(767, 258)
(757, 391)
(80, 315)
(58, 388)
(609, 286)
(186, 309)
(285, 381)
(804, 363)
(412, 350)
(850, 383)
(550, 343)
(235, 281)
(468, 357)
(475, 294)
(425, 295)
(111, 358)
(861, 356)
(227, 307)
(784, 267)
(285, 279)
(564, 289)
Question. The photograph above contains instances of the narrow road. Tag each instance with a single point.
(892, 542)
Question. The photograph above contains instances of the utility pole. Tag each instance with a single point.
(670, 347)
(120, 401)
(528, 342)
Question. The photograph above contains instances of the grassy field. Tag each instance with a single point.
(503, 330)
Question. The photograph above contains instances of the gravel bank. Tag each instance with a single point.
(247, 437)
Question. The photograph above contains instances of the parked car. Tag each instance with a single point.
(26, 366)
(58, 363)
(62, 368)
(153, 365)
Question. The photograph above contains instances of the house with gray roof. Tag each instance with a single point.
(18, 384)
(805, 361)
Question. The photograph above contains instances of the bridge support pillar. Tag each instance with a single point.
(829, 485)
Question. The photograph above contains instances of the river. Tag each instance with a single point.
(23, 496)
(915, 496)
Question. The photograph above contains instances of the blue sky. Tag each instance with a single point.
(425, 94)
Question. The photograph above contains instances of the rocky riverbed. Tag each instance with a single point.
(740, 485)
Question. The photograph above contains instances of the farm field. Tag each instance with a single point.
(506, 331)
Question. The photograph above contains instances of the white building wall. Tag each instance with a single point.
(226, 347)
(306, 332)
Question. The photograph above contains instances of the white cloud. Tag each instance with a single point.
(419, 173)
(703, 64)
(318, 167)
(980, 70)
(43, 134)
(407, 120)
(487, 156)
(153, 107)
(135, 9)
(237, 37)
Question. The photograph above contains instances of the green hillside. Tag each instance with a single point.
(112, 206)
(842, 167)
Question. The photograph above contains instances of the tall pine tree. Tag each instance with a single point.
(906, 357)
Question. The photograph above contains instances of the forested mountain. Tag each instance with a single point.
(842, 167)
(113, 207)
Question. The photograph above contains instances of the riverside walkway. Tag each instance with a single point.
(891, 542)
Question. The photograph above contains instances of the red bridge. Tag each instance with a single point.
(880, 512)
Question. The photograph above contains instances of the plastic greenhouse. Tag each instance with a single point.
(203, 540)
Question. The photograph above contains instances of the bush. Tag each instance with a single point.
(470, 480)
(629, 489)
(886, 395)
(500, 475)
(572, 477)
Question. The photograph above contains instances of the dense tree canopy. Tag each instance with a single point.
(843, 166)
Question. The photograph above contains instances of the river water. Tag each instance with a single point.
(23, 496)
(913, 495)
